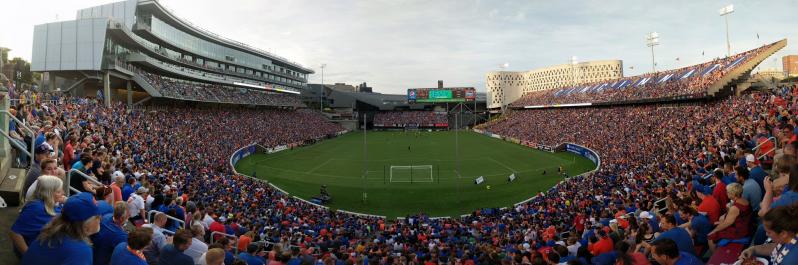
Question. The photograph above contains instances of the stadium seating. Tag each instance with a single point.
(649, 152)
(694, 80)
(398, 118)
(198, 91)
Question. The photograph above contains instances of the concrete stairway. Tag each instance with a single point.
(729, 82)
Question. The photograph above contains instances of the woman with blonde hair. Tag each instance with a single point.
(43, 205)
(734, 224)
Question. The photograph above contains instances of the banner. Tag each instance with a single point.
(582, 151)
(479, 180)
(242, 153)
(277, 149)
(544, 148)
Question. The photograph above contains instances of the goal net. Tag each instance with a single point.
(411, 174)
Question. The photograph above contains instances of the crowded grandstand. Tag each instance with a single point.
(688, 166)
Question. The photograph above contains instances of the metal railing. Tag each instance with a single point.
(19, 146)
(69, 178)
(316, 250)
(235, 238)
(151, 213)
(22, 125)
(775, 146)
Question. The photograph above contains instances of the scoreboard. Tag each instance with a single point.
(435, 95)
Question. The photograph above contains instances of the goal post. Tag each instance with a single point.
(410, 174)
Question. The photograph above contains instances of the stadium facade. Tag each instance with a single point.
(504, 87)
(117, 47)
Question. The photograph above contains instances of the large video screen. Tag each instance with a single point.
(435, 95)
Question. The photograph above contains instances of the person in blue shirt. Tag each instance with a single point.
(675, 233)
(36, 213)
(228, 244)
(699, 226)
(173, 253)
(111, 233)
(781, 227)
(751, 190)
(40, 138)
(65, 239)
(665, 252)
(790, 195)
(128, 188)
(729, 175)
(251, 256)
(294, 257)
(756, 172)
(130, 252)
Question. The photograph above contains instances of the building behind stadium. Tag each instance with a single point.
(790, 65)
(504, 87)
(107, 48)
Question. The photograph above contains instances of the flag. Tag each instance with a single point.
(631, 67)
(702, 53)
(677, 58)
(757, 35)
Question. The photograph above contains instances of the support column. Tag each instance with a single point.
(51, 76)
(107, 89)
(129, 93)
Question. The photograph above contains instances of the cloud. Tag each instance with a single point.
(397, 44)
(493, 13)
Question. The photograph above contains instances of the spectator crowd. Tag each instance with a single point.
(400, 118)
(198, 91)
(709, 162)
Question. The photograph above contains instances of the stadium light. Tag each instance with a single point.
(724, 12)
(321, 89)
(652, 39)
(574, 62)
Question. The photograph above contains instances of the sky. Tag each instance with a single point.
(398, 44)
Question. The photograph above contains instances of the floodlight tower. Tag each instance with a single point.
(321, 89)
(574, 63)
(725, 12)
(652, 39)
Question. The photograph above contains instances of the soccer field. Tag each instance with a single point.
(431, 186)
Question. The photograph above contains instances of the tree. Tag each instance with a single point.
(22, 71)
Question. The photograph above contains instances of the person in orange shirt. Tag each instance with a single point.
(603, 245)
(719, 192)
(118, 182)
(244, 240)
(708, 205)
(549, 234)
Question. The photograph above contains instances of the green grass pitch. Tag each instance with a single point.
(339, 164)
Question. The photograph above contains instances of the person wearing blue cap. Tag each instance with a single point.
(40, 153)
(65, 239)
